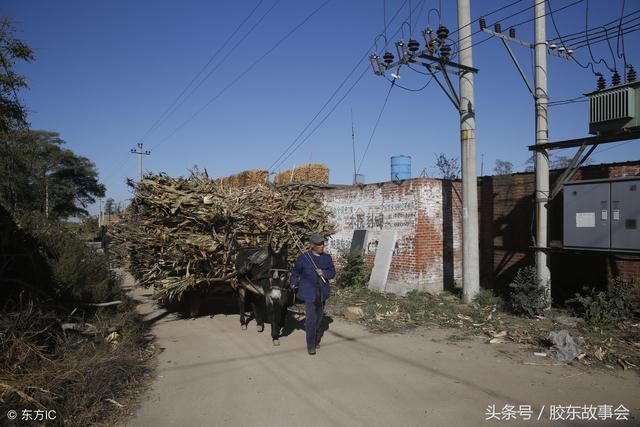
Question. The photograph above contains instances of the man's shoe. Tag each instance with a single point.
(317, 345)
(312, 351)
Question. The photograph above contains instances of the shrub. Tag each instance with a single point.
(528, 298)
(605, 308)
(487, 298)
(78, 272)
(354, 270)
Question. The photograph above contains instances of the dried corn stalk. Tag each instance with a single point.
(183, 233)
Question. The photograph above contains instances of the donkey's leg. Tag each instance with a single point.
(283, 315)
(259, 313)
(242, 306)
(273, 309)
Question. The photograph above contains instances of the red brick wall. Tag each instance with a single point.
(506, 228)
(425, 213)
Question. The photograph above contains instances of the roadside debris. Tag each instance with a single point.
(564, 345)
(353, 313)
(568, 321)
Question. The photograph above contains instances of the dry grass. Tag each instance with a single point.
(314, 173)
(617, 347)
(79, 375)
(246, 178)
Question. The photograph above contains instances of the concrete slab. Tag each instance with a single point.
(382, 261)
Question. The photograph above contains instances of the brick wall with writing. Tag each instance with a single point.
(426, 215)
(506, 229)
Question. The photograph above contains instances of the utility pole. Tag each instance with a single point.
(470, 257)
(541, 97)
(353, 146)
(140, 153)
(100, 213)
(543, 274)
(438, 52)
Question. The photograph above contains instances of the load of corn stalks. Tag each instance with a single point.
(312, 173)
(183, 233)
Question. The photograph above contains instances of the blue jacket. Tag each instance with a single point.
(305, 278)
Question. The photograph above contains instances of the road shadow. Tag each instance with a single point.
(296, 318)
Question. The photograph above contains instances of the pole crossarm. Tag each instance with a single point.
(506, 38)
(589, 140)
(140, 152)
(426, 54)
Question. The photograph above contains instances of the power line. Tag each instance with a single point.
(278, 161)
(581, 34)
(519, 23)
(335, 92)
(373, 132)
(586, 25)
(246, 71)
(620, 36)
(553, 21)
(168, 111)
(364, 71)
(414, 90)
(615, 146)
(224, 59)
(165, 115)
(628, 30)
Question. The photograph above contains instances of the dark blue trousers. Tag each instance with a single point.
(313, 322)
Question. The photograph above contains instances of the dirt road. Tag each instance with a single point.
(211, 373)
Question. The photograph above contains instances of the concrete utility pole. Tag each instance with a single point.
(543, 274)
(438, 51)
(140, 153)
(470, 257)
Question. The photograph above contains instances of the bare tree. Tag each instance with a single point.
(503, 167)
(449, 167)
(555, 162)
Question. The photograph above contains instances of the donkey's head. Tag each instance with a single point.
(279, 283)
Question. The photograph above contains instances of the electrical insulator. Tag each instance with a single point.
(553, 46)
(483, 23)
(601, 83)
(615, 79)
(387, 58)
(561, 49)
(497, 28)
(413, 46)
(442, 32)
(569, 51)
(631, 74)
(512, 32)
(445, 50)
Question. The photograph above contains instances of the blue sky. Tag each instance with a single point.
(105, 72)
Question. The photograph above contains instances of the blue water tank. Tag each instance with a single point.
(400, 167)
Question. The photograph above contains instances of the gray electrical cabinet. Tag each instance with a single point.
(625, 214)
(602, 214)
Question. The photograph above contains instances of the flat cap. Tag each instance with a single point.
(316, 239)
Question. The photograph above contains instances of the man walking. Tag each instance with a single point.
(311, 274)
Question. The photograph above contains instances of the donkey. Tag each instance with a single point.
(263, 280)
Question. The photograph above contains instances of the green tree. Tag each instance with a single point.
(13, 115)
(38, 174)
